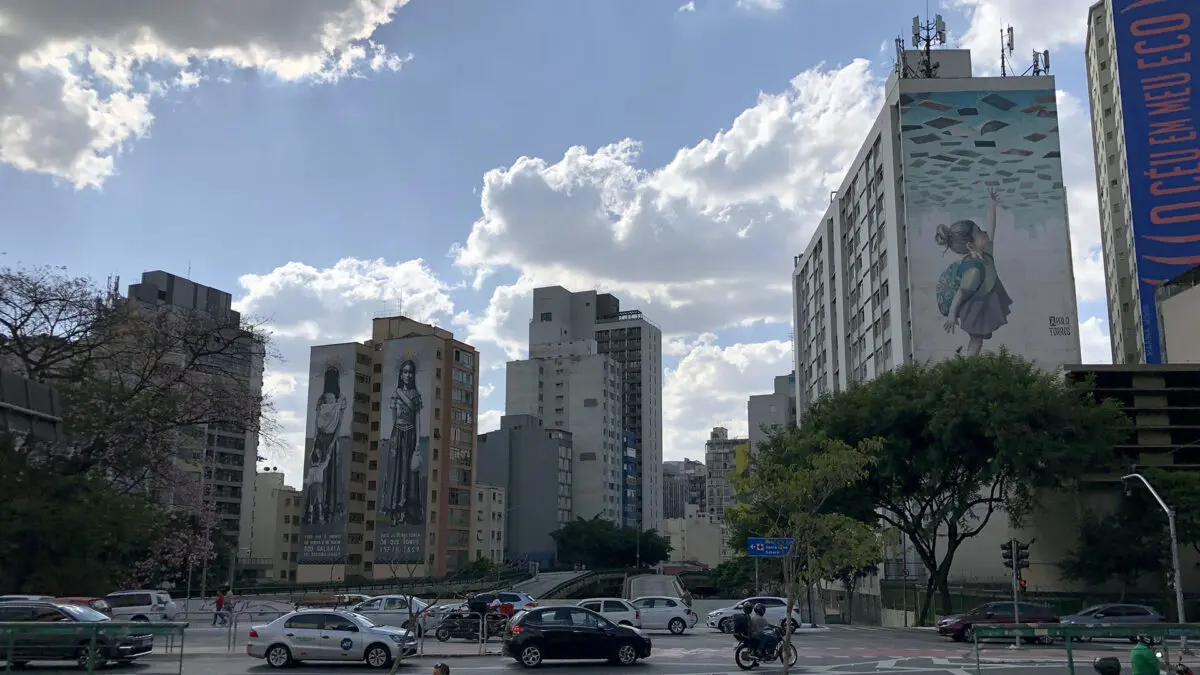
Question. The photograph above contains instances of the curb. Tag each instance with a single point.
(159, 658)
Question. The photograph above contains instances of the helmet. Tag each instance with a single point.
(759, 609)
(747, 608)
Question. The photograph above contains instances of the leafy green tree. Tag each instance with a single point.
(963, 437)
(788, 499)
(601, 544)
(1124, 546)
(1181, 491)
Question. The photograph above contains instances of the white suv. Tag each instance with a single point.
(142, 606)
(722, 619)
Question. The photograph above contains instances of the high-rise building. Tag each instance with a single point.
(1178, 303)
(684, 489)
(948, 234)
(534, 466)
(491, 513)
(766, 413)
(275, 530)
(389, 455)
(29, 409)
(635, 344)
(724, 459)
(574, 388)
(1139, 65)
(230, 455)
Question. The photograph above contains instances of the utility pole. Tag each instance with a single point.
(1178, 577)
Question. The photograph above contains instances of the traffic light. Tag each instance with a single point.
(1006, 552)
(1022, 555)
(1022, 582)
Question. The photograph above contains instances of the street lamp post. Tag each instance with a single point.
(1174, 547)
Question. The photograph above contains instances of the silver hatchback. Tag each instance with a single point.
(328, 635)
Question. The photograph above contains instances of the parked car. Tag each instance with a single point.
(620, 612)
(142, 606)
(26, 598)
(99, 604)
(1115, 614)
(661, 612)
(722, 619)
(64, 646)
(571, 633)
(398, 611)
(328, 635)
(958, 626)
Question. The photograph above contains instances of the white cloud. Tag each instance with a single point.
(710, 388)
(489, 420)
(75, 82)
(690, 6)
(766, 5)
(1094, 342)
(1037, 24)
(304, 305)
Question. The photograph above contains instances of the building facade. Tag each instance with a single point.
(534, 466)
(574, 388)
(766, 413)
(491, 513)
(229, 456)
(635, 344)
(695, 540)
(275, 530)
(948, 235)
(684, 487)
(1178, 303)
(390, 455)
(1138, 65)
(29, 409)
(724, 458)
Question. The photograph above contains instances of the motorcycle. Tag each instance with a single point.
(466, 627)
(746, 657)
(1179, 668)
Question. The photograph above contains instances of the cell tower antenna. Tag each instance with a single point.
(1041, 62)
(1007, 45)
(924, 36)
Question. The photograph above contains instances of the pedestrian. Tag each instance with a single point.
(440, 668)
(219, 608)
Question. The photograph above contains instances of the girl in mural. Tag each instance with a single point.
(403, 500)
(321, 503)
(969, 293)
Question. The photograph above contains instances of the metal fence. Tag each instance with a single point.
(89, 644)
(1069, 633)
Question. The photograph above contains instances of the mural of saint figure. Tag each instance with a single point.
(970, 294)
(401, 497)
(322, 479)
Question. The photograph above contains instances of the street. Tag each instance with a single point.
(839, 650)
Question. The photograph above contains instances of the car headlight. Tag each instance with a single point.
(399, 639)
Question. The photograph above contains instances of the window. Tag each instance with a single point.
(461, 396)
(305, 622)
(460, 476)
(464, 359)
(464, 378)
(458, 538)
(337, 623)
(547, 316)
(462, 416)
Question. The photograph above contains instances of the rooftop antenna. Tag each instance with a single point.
(924, 36)
(1041, 62)
(1006, 49)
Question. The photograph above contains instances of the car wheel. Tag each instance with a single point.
(968, 635)
(743, 656)
(279, 656)
(378, 656)
(139, 618)
(677, 626)
(89, 656)
(531, 656)
(626, 655)
(442, 634)
(725, 626)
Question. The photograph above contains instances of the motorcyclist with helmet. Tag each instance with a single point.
(741, 625)
(760, 629)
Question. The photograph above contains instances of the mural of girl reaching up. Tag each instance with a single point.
(970, 294)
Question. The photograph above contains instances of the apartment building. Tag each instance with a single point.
(724, 458)
(635, 344)
(491, 514)
(29, 409)
(534, 464)
(1178, 302)
(274, 530)
(766, 413)
(684, 487)
(574, 388)
(389, 455)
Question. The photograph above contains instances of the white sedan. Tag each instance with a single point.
(398, 611)
(328, 635)
(661, 612)
(722, 619)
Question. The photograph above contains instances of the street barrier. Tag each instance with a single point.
(482, 635)
(1069, 633)
(89, 644)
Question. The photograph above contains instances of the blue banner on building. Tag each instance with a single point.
(1157, 70)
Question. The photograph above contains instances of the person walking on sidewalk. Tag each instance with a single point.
(219, 608)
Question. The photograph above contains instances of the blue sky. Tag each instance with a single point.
(311, 199)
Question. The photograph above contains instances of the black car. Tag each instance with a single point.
(66, 645)
(571, 633)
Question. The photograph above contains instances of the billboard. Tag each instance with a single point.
(989, 251)
(327, 455)
(404, 458)
(1159, 100)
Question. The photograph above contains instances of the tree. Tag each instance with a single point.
(788, 499)
(601, 544)
(963, 437)
(139, 387)
(1181, 491)
(1121, 546)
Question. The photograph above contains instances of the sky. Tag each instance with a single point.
(329, 161)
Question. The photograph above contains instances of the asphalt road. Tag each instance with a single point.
(847, 650)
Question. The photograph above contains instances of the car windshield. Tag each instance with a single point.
(1090, 610)
(84, 613)
(366, 623)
